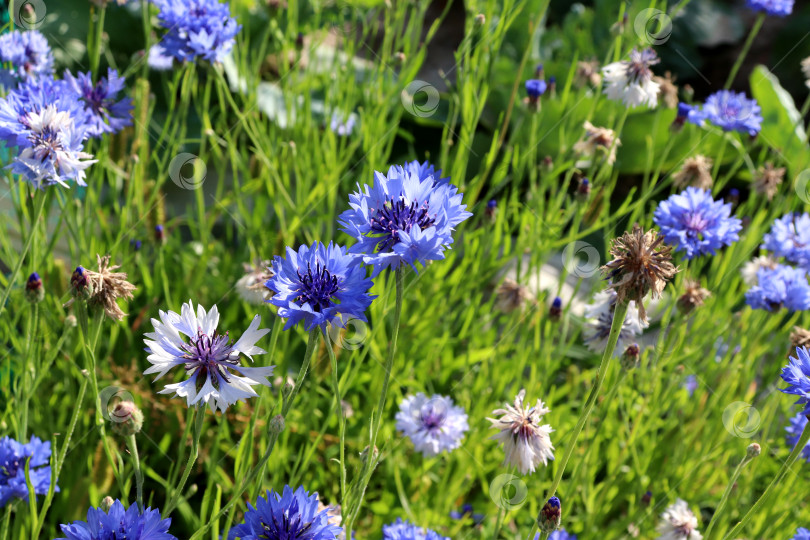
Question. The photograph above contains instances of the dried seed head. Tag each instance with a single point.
(108, 287)
(641, 264)
(799, 337)
(667, 90)
(693, 297)
(696, 171)
(768, 179)
(512, 296)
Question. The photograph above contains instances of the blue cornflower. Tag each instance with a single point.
(559, 534)
(13, 458)
(794, 431)
(405, 530)
(782, 286)
(291, 515)
(118, 523)
(434, 424)
(209, 358)
(405, 218)
(342, 125)
(47, 124)
(732, 111)
(690, 384)
(319, 284)
(105, 113)
(196, 28)
(780, 8)
(695, 223)
(789, 237)
(536, 88)
(797, 375)
(424, 170)
(159, 58)
(29, 56)
(802, 534)
(690, 113)
(467, 510)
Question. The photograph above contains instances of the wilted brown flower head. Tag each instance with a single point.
(696, 171)
(511, 296)
(109, 286)
(667, 90)
(598, 139)
(768, 179)
(588, 73)
(641, 263)
(694, 295)
(799, 337)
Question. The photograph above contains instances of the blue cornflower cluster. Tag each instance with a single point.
(728, 110)
(782, 286)
(28, 55)
(779, 8)
(797, 375)
(405, 530)
(291, 514)
(794, 431)
(789, 237)
(119, 523)
(13, 459)
(695, 223)
(195, 28)
(105, 112)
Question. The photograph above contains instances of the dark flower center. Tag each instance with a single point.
(396, 216)
(318, 287)
(10, 468)
(208, 355)
(432, 419)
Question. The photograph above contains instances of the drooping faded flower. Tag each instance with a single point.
(641, 264)
(27, 55)
(783, 286)
(599, 142)
(678, 523)
(14, 457)
(750, 269)
(511, 296)
(693, 296)
(105, 112)
(794, 431)
(251, 287)
(599, 318)
(696, 171)
(318, 285)
(525, 442)
(210, 359)
(695, 223)
(405, 530)
(197, 28)
(434, 425)
(291, 514)
(778, 8)
(116, 522)
(406, 218)
(768, 179)
(631, 81)
(797, 375)
(789, 237)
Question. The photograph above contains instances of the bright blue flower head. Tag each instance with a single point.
(196, 28)
(794, 431)
(536, 88)
(779, 8)
(797, 375)
(783, 286)
(13, 457)
(408, 217)
(732, 111)
(405, 530)
(695, 223)
(789, 237)
(318, 285)
(119, 524)
(106, 114)
(293, 515)
(802, 534)
(29, 56)
(424, 170)
(559, 534)
(690, 384)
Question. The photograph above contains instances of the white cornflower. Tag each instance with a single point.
(631, 81)
(433, 424)
(251, 287)
(210, 360)
(525, 442)
(750, 269)
(599, 315)
(678, 523)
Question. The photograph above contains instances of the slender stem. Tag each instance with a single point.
(369, 464)
(341, 419)
(744, 52)
(794, 455)
(132, 444)
(96, 37)
(16, 271)
(199, 417)
(720, 507)
(619, 314)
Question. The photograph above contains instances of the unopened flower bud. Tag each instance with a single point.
(646, 498)
(277, 424)
(80, 284)
(400, 57)
(71, 321)
(160, 233)
(127, 418)
(479, 20)
(584, 189)
(753, 450)
(106, 504)
(34, 292)
(555, 310)
(631, 356)
(550, 516)
(491, 209)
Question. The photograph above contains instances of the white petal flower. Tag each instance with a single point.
(678, 523)
(631, 81)
(525, 442)
(599, 318)
(750, 269)
(434, 424)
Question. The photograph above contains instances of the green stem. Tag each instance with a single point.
(744, 52)
(16, 271)
(199, 417)
(740, 466)
(94, 41)
(132, 444)
(755, 509)
(341, 419)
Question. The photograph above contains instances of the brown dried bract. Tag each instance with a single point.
(696, 171)
(109, 286)
(694, 295)
(768, 179)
